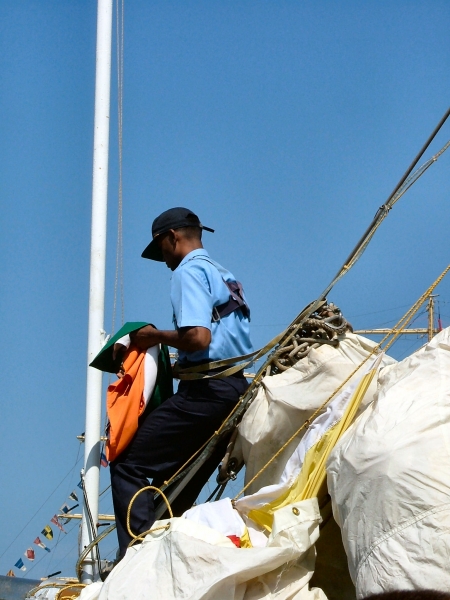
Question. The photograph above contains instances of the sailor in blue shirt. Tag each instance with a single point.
(197, 289)
(211, 319)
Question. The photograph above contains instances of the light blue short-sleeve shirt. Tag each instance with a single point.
(197, 287)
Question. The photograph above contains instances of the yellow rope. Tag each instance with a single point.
(69, 587)
(215, 434)
(142, 535)
(89, 547)
(397, 329)
(55, 584)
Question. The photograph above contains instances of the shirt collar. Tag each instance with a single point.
(193, 254)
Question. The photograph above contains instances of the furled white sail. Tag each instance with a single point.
(389, 478)
(286, 400)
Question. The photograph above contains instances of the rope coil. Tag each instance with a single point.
(141, 536)
(322, 327)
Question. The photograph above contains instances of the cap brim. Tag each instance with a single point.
(153, 252)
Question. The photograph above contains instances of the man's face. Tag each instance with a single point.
(167, 244)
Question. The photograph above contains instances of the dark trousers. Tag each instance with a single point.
(166, 438)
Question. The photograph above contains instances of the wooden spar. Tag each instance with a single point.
(431, 331)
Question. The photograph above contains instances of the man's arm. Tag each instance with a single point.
(189, 339)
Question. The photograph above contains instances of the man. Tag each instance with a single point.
(211, 321)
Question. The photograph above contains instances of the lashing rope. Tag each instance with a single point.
(396, 330)
(142, 535)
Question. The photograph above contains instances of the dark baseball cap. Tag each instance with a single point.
(174, 218)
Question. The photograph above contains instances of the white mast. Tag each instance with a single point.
(97, 278)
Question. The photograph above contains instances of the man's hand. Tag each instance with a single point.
(118, 349)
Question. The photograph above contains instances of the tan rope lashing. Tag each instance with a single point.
(89, 547)
(142, 535)
(215, 434)
(196, 372)
(397, 329)
(67, 587)
(51, 584)
(407, 183)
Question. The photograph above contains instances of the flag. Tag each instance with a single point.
(29, 553)
(73, 496)
(47, 532)
(65, 508)
(19, 564)
(54, 520)
(38, 542)
(103, 459)
(10, 573)
(80, 484)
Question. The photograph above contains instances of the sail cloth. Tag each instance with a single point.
(191, 560)
(304, 473)
(196, 556)
(287, 400)
(388, 478)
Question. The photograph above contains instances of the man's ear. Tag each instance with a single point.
(174, 237)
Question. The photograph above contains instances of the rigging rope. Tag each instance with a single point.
(90, 522)
(395, 331)
(380, 216)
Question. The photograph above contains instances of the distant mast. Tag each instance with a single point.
(97, 280)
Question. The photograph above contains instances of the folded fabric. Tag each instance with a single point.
(146, 382)
(104, 360)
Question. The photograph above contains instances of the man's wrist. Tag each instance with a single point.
(145, 337)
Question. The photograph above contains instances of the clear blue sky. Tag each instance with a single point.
(283, 124)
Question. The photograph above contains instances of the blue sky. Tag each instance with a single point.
(284, 125)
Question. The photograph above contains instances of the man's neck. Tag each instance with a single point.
(185, 248)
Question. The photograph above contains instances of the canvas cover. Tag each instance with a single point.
(389, 478)
(286, 400)
(260, 546)
(192, 561)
